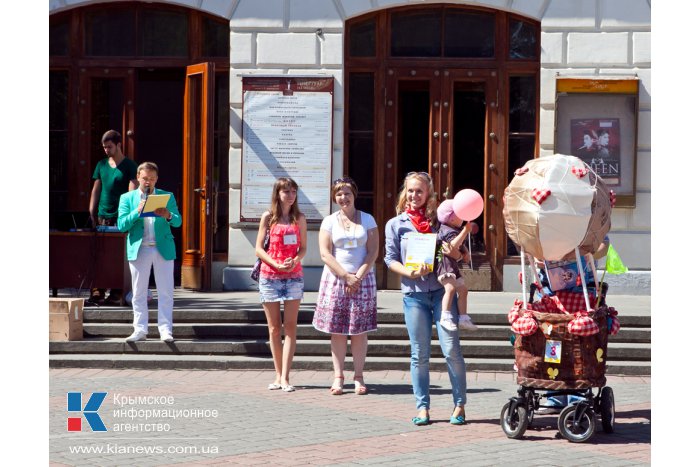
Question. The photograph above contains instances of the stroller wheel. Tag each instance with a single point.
(576, 431)
(607, 409)
(514, 424)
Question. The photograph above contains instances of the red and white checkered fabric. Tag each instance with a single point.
(549, 304)
(583, 325)
(613, 198)
(574, 301)
(580, 172)
(540, 194)
(514, 312)
(521, 170)
(614, 325)
(525, 325)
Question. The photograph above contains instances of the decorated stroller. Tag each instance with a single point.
(556, 207)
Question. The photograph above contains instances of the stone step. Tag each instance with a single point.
(206, 362)
(306, 331)
(228, 330)
(247, 314)
(260, 347)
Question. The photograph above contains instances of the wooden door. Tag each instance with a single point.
(197, 177)
(412, 118)
(469, 156)
(106, 98)
(444, 122)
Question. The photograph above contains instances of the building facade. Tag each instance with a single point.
(465, 90)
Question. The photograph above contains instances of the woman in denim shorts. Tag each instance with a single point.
(281, 274)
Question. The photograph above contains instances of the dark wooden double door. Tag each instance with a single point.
(445, 122)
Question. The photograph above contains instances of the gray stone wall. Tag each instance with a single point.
(579, 38)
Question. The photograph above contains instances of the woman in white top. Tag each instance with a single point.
(347, 296)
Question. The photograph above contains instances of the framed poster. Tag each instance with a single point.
(596, 120)
(287, 132)
(596, 141)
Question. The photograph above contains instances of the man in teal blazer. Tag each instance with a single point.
(150, 243)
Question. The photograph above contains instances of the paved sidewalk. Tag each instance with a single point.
(255, 426)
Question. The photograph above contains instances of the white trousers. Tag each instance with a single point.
(165, 283)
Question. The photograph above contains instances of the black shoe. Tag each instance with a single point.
(113, 300)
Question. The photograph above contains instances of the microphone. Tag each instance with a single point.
(145, 198)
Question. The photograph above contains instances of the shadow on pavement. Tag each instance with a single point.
(642, 413)
(625, 433)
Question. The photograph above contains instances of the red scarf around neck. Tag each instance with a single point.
(419, 220)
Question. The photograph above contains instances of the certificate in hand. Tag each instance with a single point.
(152, 203)
(420, 249)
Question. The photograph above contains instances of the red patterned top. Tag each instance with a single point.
(285, 240)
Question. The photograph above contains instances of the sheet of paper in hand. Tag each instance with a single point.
(152, 203)
(420, 249)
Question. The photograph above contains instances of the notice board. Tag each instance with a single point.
(287, 132)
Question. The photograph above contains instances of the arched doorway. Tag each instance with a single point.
(449, 90)
(123, 66)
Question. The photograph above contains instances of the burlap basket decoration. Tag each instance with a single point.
(583, 358)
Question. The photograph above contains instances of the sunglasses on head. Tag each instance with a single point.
(425, 174)
(344, 180)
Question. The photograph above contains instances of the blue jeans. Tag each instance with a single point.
(421, 310)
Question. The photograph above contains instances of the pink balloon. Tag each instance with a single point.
(468, 204)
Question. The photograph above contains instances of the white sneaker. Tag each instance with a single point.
(465, 322)
(447, 322)
(136, 336)
(166, 337)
